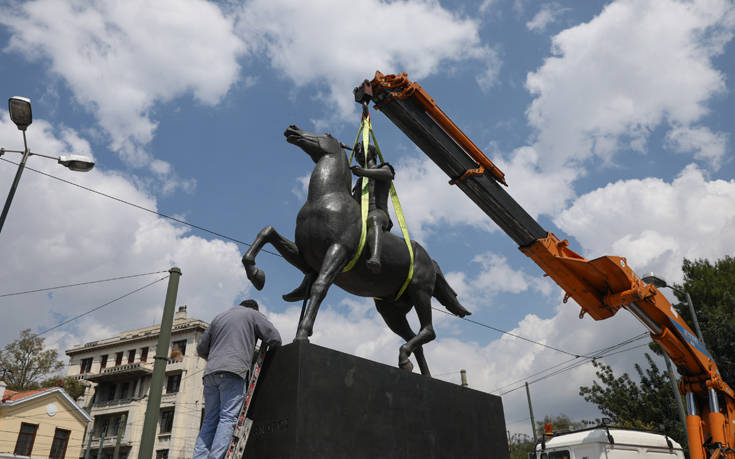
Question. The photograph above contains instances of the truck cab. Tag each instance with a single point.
(608, 443)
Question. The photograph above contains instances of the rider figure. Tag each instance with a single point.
(381, 176)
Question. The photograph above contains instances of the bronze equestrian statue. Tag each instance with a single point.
(328, 229)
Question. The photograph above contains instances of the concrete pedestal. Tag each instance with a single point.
(316, 403)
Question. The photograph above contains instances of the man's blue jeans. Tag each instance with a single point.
(223, 396)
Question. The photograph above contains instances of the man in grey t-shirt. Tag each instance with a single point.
(228, 346)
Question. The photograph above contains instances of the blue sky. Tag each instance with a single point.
(612, 122)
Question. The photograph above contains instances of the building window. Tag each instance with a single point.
(162, 454)
(118, 359)
(167, 421)
(144, 354)
(58, 446)
(85, 366)
(172, 383)
(26, 437)
(124, 390)
(103, 362)
(131, 356)
(180, 345)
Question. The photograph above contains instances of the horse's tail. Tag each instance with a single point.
(446, 295)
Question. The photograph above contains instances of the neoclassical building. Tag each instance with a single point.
(118, 372)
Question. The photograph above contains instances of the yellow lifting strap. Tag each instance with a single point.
(366, 129)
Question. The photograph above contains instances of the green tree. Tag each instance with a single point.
(24, 361)
(520, 445)
(71, 385)
(649, 404)
(560, 423)
(712, 289)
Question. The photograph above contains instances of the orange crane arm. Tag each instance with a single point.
(601, 286)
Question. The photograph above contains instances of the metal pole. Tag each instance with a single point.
(102, 443)
(694, 317)
(159, 368)
(463, 375)
(88, 451)
(530, 410)
(14, 186)
(120, 430)
(677, 395)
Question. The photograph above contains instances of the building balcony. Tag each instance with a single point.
(121, 402)
(175, 365)
(109, 442)
(120, 372)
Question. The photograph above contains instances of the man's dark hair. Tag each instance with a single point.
(252, 304)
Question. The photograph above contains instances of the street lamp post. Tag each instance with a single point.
(21, 115)
(658, 282)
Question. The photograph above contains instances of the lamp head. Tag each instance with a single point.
(20, 112)
(77, 163)
(654, 280)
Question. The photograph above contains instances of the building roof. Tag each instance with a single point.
(180, 325)
(11, 395)
(12, 398)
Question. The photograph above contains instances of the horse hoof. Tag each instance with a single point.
(257, 278)
(406, 365)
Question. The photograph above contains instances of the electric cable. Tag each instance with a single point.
(177, 220)
(81, 283)
(508, 333)
(100, 306)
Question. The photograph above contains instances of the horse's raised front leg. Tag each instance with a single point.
(285, 247)
(334, 261)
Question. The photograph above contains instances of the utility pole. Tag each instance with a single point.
(120, 430)
(159, 367)
(530, 410)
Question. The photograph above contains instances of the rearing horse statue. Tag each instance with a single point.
(328, 230)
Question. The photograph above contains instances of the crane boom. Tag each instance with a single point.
(601, 286)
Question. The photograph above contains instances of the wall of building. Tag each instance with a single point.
(106, 399)
(35, 412)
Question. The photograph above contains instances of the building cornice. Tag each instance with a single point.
(143, 334)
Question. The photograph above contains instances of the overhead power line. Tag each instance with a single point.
(508, 333)
(100, 306)
(177, 220)
(81, 283)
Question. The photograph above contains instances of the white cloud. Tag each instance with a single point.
(122, 58)
(341, 43)
(416, 179)
(548, 14)
(495, 276)
(58, 234)
(612, 80)
(655, 224)
(706, 145)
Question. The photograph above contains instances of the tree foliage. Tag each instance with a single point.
(649, 404)
(24, 362)
(560, 423)
(71, 385)
(712, 290)
(520, 445)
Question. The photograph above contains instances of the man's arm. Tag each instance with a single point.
(383, 172)
(203, 345)
(266, 331)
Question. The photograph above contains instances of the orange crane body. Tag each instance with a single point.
(601, 286)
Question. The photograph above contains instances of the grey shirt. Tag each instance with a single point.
(228, 343)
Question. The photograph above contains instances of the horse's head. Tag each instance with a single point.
(316, 145)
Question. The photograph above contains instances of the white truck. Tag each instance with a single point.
(608, 443)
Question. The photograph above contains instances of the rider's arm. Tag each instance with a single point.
(383, 172)
(203, 346)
